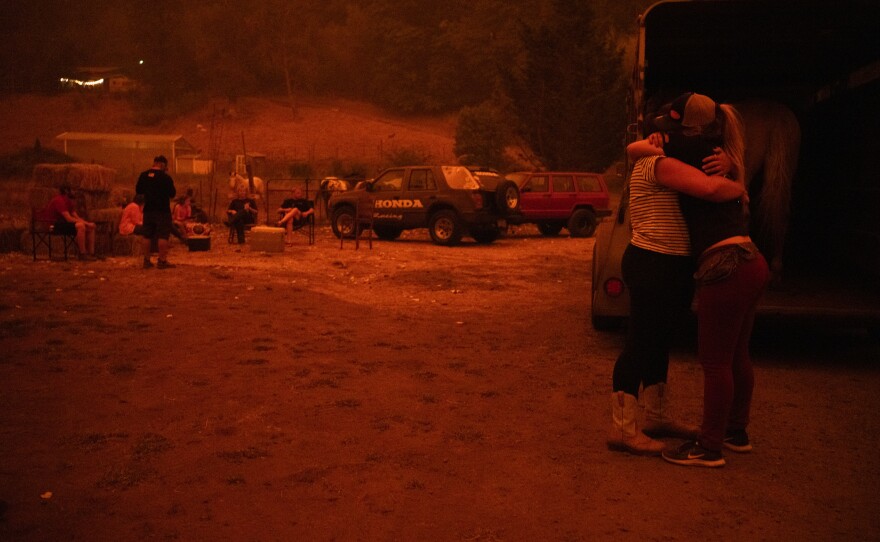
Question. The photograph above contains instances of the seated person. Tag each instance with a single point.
(241, 211)
(180, 216)
(61, 211)
(294, 212)
(132, 221)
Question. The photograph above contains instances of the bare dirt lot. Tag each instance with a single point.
(408, 392)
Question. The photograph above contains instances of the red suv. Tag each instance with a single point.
(554, 200)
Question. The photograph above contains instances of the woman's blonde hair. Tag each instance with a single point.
(734, 141)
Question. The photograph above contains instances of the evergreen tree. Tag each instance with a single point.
(569, 94)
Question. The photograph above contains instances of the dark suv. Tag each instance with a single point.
(451, 201)
(555, 199)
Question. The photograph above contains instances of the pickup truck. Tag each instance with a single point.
(818, 60)
(554, 200)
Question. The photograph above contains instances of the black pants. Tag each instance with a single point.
(238, 222)
(661, 289)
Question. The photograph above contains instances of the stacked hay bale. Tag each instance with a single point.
(93, 186)
(91, 183)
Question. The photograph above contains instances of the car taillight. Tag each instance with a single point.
(613, 287)
(477, 196)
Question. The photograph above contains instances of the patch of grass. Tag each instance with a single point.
(124, 368)
(125, 476)
(323, 383)
(414, 484)
(239, 456)
(258, 361)
(467, 435)
(97, 439)
(150, 444)
(309, 476)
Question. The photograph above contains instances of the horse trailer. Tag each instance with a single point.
(806, 76)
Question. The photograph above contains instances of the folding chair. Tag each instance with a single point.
(362, 220)
(42, 232)
(307, 227)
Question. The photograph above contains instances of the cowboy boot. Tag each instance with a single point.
(625, 435)
(658, 422)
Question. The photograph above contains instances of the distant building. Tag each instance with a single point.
(99, 78)
(129, 154)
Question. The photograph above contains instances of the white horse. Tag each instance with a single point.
(236, 181)
(328, 187)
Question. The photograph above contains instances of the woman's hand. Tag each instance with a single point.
(718, 163)
(657, 139)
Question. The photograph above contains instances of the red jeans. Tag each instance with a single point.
(725, 316)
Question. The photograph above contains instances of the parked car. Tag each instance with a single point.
(554, 200)
(451, 201)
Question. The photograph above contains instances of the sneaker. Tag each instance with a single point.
(87, 258)
(162, 264)
(738, 441)
(148, 264)
(692, 454)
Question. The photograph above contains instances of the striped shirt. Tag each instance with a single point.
(656, 220)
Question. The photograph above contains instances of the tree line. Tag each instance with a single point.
(550, 73)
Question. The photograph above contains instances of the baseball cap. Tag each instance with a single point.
(161, 158)
(687, 111)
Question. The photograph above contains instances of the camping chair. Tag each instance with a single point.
(362, 220)
(42, 232)
(306, 227)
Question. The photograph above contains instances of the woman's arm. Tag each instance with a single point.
(650, 146)
(683, 178)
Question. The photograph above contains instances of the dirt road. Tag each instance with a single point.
(409, 392)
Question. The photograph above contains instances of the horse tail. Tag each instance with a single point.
(780, 165)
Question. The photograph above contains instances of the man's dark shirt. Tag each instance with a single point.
(158, 189)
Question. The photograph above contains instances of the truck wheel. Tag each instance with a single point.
(387, 233)
(549, 229)
(342, 221)
(485, 236)
(445, 228)
(582, 223)
(507, 197)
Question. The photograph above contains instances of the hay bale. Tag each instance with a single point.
(40, 196)
(90, 200)
(121, 196)
(127, 245)
(108, 214)
(92, 177)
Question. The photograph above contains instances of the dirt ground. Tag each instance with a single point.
(408, 392)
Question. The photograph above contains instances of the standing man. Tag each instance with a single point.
(158, 189)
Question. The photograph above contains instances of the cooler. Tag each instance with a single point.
(267, 239)
(198, 243)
